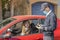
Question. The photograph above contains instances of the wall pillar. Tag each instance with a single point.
(0, 10)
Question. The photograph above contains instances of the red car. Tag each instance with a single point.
(10, 22)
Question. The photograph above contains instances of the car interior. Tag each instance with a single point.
(17, 28)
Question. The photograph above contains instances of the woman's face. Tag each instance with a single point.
(27, 24)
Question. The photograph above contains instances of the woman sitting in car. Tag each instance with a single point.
(25, 28)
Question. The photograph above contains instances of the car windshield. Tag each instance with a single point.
(5, 22)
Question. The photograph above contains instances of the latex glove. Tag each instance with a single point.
(45, 28)
(39, 27)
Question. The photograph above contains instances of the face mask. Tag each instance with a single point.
(45, 12)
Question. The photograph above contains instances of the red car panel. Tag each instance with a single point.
(32, 36)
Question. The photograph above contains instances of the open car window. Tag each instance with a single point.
(19, 29)
(5, 22)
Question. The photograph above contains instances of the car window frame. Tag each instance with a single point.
(1, 23)
(28, 34)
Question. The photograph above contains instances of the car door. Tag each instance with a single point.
(34, 35)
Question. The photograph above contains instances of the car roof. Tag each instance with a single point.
(28, 17)
(22, 18)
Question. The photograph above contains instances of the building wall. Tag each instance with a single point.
(55, 2)
(58, 9)
(58, 15)
(28, 7)
(0, 10)
(21, 7)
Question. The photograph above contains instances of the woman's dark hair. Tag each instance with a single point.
(32, 25)
(26, 21)
(33, 28)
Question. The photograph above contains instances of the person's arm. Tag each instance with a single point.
(52, 26)
(23, 31)
(28, 32)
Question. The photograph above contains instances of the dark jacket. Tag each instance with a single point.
(50, 23)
